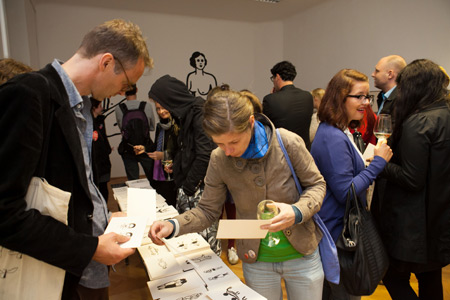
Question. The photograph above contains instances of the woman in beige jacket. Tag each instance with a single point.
(251, 165)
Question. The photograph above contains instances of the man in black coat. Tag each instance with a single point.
(49, 134)
(384, 77)
(288, 106)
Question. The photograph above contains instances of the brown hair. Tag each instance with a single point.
(120, 38)
(332, 109)
(10, 67)
(226, 111)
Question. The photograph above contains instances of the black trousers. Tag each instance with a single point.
(397, 283)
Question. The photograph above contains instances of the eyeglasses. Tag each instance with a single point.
(272, 78)
(129, 84)
(363, 98)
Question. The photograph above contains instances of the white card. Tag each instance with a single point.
(134, 227)
(142, 202)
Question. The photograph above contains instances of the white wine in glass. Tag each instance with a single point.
(383, 127)
(167, 161)
(266, 210)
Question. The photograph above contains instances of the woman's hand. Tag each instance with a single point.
(138, 149)
(284, 219)
(157, 155)
(168, 168)
(383, 150)
(159, 230)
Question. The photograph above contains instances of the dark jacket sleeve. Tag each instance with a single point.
(414, 146)
(203, 148)
(22, 115)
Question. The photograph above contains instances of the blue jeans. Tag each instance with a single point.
(303, 277)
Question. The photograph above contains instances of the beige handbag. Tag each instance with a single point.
(22, 276)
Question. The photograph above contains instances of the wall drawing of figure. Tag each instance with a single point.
(199, 82)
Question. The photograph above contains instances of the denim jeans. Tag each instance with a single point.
(303, 277)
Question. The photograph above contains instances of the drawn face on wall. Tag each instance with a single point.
(200, 62)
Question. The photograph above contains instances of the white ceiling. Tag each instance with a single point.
(236, 10)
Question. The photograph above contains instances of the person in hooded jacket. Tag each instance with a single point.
(193, 147)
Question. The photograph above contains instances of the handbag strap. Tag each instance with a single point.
(286, 156)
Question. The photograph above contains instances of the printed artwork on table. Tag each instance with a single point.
(160, 266)
(165, 211)
(203, 260)
(236, 291)
(176, 286)
(188, 243)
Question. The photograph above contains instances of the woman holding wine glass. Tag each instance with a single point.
(337, 156)
(250, 164)
(414, 213)
(161, 152)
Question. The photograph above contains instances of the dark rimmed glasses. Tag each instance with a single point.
(363, 98)
(130, 86)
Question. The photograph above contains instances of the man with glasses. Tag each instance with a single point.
(288, 106)
(50, 129)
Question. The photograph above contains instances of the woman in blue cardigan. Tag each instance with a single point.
(338, 158)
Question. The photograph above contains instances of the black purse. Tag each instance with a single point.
(362, 256)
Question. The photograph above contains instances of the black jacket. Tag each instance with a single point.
(290, 108)
(415, 210)
(101, 148)
(25, 104)
(193, 146)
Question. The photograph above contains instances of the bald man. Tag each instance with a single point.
(384, 76)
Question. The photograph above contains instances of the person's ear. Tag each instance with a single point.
(105, 60)
(252, 121)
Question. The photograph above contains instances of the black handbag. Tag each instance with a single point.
(362, 256)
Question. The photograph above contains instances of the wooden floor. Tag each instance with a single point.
(129, 281)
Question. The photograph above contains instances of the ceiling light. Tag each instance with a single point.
(268, 1)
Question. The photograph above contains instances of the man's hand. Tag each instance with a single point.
(159, 230)
(108, 250)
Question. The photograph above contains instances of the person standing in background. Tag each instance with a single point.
(414, 213)
(135, 120)
(384, 77)
(288, 106)
(317, 98)
(194, 147)
(101, 149)
(10, 67)
(166, 135)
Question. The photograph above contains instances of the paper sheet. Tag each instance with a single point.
(134, 227)
(241, 229)
(142, 202)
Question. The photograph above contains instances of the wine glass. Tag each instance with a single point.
(266, 210)
(167, 161)
(383, 127)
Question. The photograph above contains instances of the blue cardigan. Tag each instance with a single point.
(340, 164)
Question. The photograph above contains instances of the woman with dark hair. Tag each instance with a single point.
(337, 156)
(250, 164)
(415, 210)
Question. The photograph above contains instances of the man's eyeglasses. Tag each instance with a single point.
(272, 78)
(363, 98)
(129, 84)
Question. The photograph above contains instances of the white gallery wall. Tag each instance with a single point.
(357, 33)
(238, 53)
(319, 41)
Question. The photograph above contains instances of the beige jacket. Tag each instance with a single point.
(253, 180)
